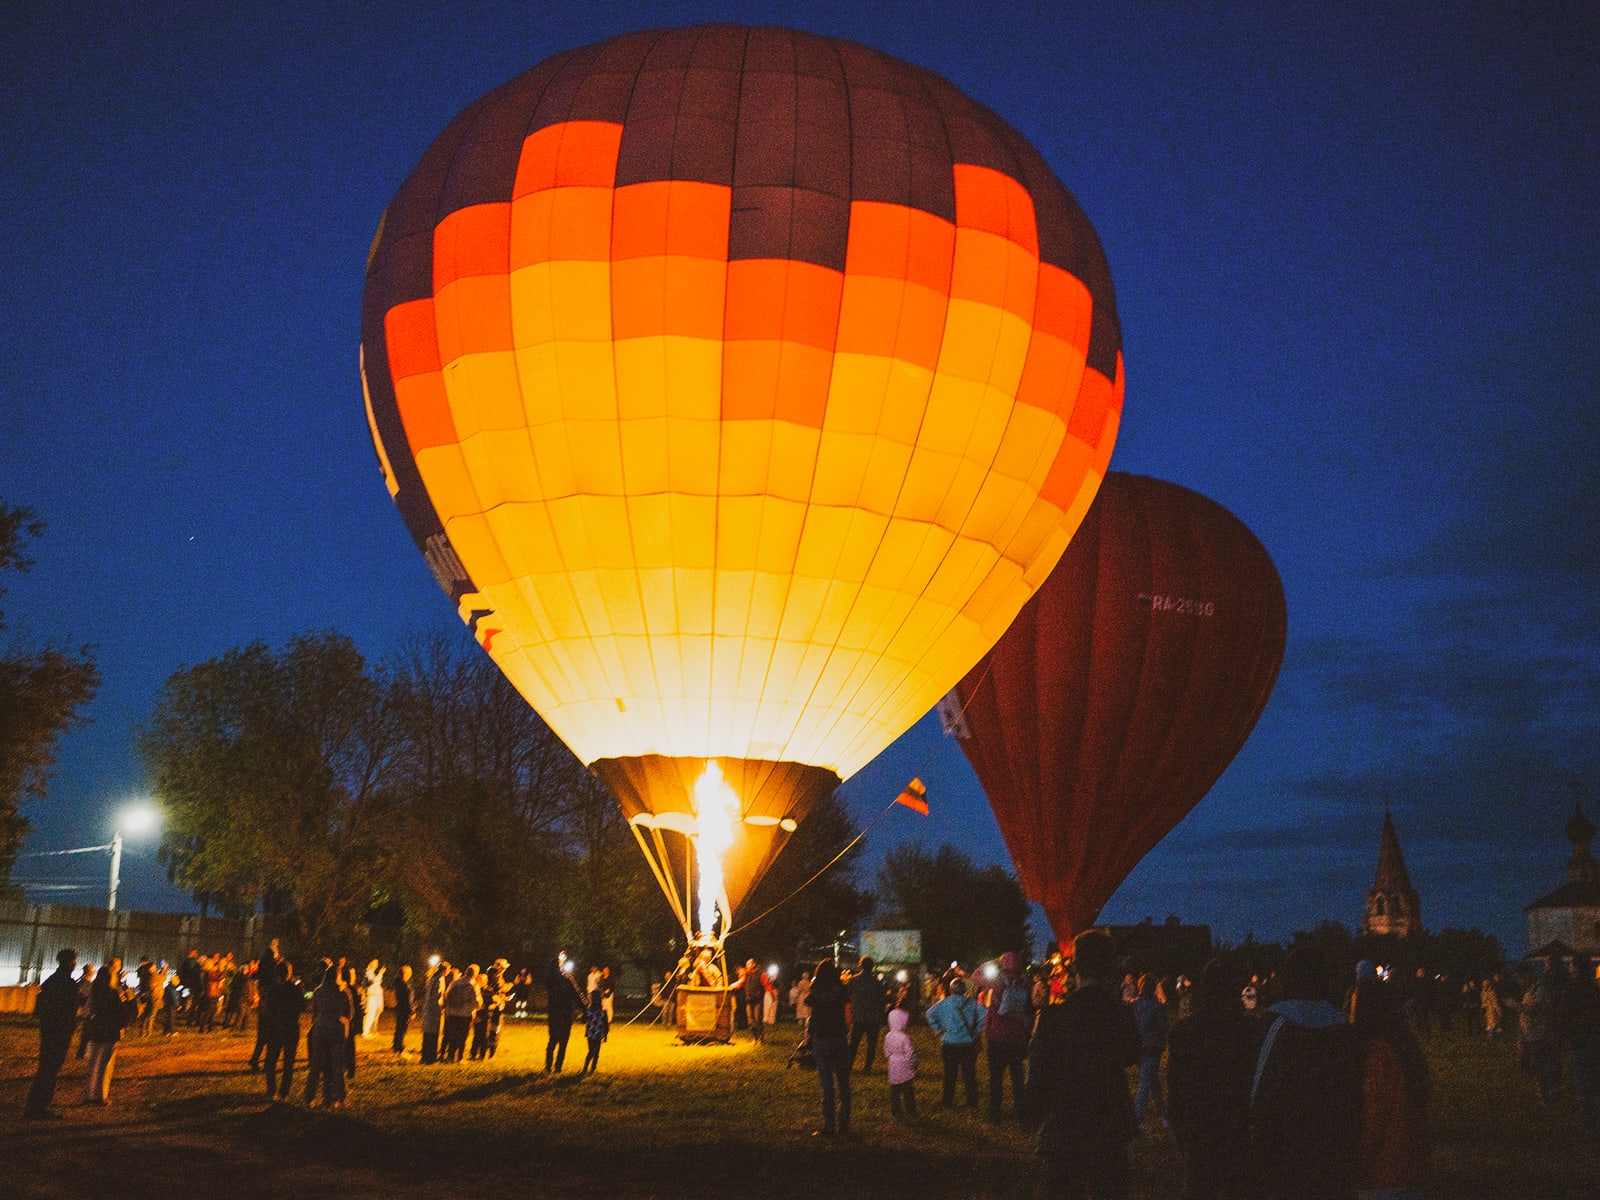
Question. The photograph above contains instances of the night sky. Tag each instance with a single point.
(1357, 260)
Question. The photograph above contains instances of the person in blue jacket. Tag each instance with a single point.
(958, 1020)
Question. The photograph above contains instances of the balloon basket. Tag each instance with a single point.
(703, 1014)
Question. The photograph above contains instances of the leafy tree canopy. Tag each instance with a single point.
(966, 913)
(42, 694)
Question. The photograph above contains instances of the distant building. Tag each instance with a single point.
(1567, 921)
(1392, 904)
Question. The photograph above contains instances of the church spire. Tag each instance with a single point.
(1581, 867)
(1392, 903)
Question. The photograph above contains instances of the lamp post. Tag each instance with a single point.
(136, 821)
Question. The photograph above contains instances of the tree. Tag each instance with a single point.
(795, 907)
(966, 913)
(492, 787)
(270, 768)
(42, 694)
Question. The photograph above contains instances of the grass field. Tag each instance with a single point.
(659, 1120)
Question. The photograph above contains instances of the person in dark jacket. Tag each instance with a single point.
(402, 1007)
(278, 1021)
(564, 1000)
(868, 1005)
(1305, 1103)
(1077, 1097)
(830, 1046)
(266, 970)
(331, 1014)
(1211, 1057)
(112, 1008)
(57, 1012)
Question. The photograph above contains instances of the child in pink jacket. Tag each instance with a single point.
(902, 1060)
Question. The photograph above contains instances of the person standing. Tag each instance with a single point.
(752, 993)
(402, 1007)
(111, 1008)
(958, 1020)
(331, 1015)
(85, 986)
(900, 1062)
(563, 1000)
(1077, 1098)
(372, 999)
(56, 1010)
(868, 1003)
(1006, 1030)
(800, 998)
(1305, 1102)
(460, 1005)
(1394, 1147)
(1150, 1018)
(596, 1025)
(282, 1002)
(1211, 1056)
(433, 1011)
(266, 971)
(830, 1046)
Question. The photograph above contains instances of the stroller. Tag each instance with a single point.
(801, 1056)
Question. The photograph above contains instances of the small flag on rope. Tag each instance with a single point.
(952, 716)
(915, 797)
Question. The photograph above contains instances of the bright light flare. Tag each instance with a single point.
(141, 818)
(716, 811)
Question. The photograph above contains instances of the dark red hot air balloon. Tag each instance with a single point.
(1123, 690)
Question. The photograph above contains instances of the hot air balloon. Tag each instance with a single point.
(1123, 691)
(739, 386)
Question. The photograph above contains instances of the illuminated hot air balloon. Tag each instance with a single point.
(739, 386)
(1123, 691)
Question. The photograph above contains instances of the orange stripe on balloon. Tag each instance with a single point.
(475, 240)
(896, 242)
(783, 300)
(412, 338)
(570, 154)
(1062, 484)
(474, 316)
(671, 217)
(1064, 307)
(996, 203)
(1096, 398)
(564, 224)
(425, 412)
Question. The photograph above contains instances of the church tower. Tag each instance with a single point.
(1392, 904)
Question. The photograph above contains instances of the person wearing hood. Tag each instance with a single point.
(900, 1056)
(1306, 1092)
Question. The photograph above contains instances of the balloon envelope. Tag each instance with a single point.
(1123, 690)
(739, 386)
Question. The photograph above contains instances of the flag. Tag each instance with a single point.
(915, 797)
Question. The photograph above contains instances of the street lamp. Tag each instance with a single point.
(139, 819)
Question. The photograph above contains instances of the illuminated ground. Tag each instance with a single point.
(660, 1120)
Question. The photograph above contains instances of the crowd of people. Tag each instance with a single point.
(1293, 1086)
(1296, 1084)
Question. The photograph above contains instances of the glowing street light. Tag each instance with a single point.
(139, 819)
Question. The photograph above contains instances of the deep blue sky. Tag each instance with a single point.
(1356, 258)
